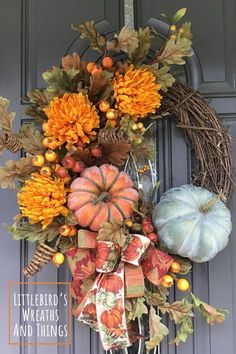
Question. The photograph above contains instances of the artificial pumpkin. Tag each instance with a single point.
(192, 222)
(90, 310)
(112, 318)
(100, 194)
(111, 282)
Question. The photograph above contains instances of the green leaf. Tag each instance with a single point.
(31, 139)
(137, 308)
(185, 329)
(144, 44)
(167, 18)
(187, 33)
(59, 79)
(209, 313)
(178, 310)
(33, 232)
(88, 30)
(156, 298)
(175, 50)
(157, 330)
(163, 76)
(179, 14)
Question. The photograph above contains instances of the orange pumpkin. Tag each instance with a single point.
(111, 319)
(111, 282)
(103, 252)
(90, 310)
(100, 194)
(132, 250)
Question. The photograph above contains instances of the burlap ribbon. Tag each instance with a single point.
(104, 274)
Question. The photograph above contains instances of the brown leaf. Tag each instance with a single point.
(31, 139)
(71, 61)
(6, 117)
(88, 30)
(115, 153)
(98, 82)
(144, 44)
(211, 314)
(19, 170)
(127, 40)
(38, 97)
(177, 310)
(112, 231)
(174, 51)
(157, 330)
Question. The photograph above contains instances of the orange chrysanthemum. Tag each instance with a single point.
(71, 117)
(136, 92)
(42, 198)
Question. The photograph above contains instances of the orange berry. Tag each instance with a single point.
(104, 106)
(38, 160)
(45, 171)
(167, 281)
(111, 114)
(73, 231)
(183, 284)
(58, 258)
(50, 156)
(107, 62)
(65, 230)
(175, 267)
(45, 127)
(46, 141)
(96, 70)
(91, 66)
(53, 145)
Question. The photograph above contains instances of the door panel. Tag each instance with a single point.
(212, 71)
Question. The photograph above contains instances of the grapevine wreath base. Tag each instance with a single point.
(83, 175)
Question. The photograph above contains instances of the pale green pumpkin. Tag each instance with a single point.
(192, 222)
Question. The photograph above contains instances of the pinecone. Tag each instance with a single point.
(42, 256)
(10, 142)
(108, 136)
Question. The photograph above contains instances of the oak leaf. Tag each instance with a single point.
(31, 139)
(112, 231)
(211, 314)
(184, 330)
(127, 40)
(71, 61)
(19, 170)
(115, 153)
(175, 50)
(6, 117)
(60, 79)
(163, 76)
(177, 310)
(157, 330)
(136, 308)
(144, 44)
(88, 30)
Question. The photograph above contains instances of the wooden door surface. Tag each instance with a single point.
(34, 34)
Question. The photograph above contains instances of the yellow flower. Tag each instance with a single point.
(69, 118)
(136, 92)
(42, 198)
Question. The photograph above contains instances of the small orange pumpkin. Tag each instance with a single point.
(90, 310)
(111, 319)
(100, 194)
(132, 250)
(103, 252)
(111, 282)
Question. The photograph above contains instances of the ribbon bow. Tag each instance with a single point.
(104, 274)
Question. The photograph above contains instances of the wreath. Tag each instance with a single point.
(85, 192)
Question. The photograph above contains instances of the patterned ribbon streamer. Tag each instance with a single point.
(104, 275)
